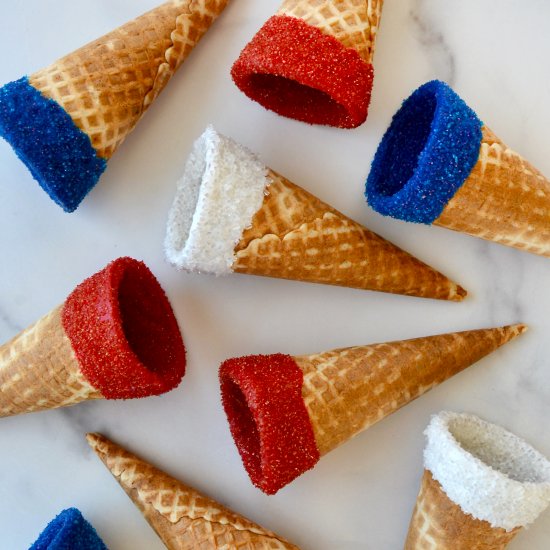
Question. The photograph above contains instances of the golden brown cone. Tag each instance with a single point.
(353, 22)
(504, 199)
(107, 85)
(439, 524)
(39, 370)
(348, 390)
(182, 517)
(296, 236)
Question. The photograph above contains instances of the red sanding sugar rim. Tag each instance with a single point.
(262, 398)
(299, 72)
(124, 332)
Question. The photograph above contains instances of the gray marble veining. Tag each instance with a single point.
(432, 41)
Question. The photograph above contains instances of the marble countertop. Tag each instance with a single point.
(362, 495)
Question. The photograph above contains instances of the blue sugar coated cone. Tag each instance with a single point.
(58, 154)
(69, 531)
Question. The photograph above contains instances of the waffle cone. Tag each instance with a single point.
(296, 236)
(348, 390)
(39, 370)
(107, 85)
(182, 517)
(352, 22)
(504, 199)
(439, 524)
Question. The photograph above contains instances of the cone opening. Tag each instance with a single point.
(293, 99)
(124, 332)
(299, 72)
(144, 312)
(414, 129)
(58, 154)
(425, 156)
(489, 472)
(192, 180)
(262, 398)
(500, 450)
(247, 435)
(69, 530)
(220, 191)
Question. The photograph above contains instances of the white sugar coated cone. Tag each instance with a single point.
(481, 486)
(233, 214)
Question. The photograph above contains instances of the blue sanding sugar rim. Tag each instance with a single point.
(425, 156)
(68, 531)
(58, 154)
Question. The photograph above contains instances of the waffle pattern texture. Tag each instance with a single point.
(439, 524)
(312, 61)
(438, 164)
(354, 23)
(104, 87)
(505, 199)
(182, 517)
(69, 531)
(232, 214)
(39, 370)
(347, 391)
(294, 235)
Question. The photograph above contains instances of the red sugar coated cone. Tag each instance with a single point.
(286, 412)
(115, 337)
(313, 61)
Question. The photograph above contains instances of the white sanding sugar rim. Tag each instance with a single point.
(489, 472)
(221, 189)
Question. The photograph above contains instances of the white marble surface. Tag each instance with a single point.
(360, 496)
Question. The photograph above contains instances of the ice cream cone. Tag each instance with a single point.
(286, 412)
(439, 164)
(312, 61)
(90, 100)
(114, 337)
(232, 214)
(481, 486)
(182, 517)
(69, 531)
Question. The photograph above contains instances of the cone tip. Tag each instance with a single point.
(460, 294)
(94, 440)
(519, 328)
